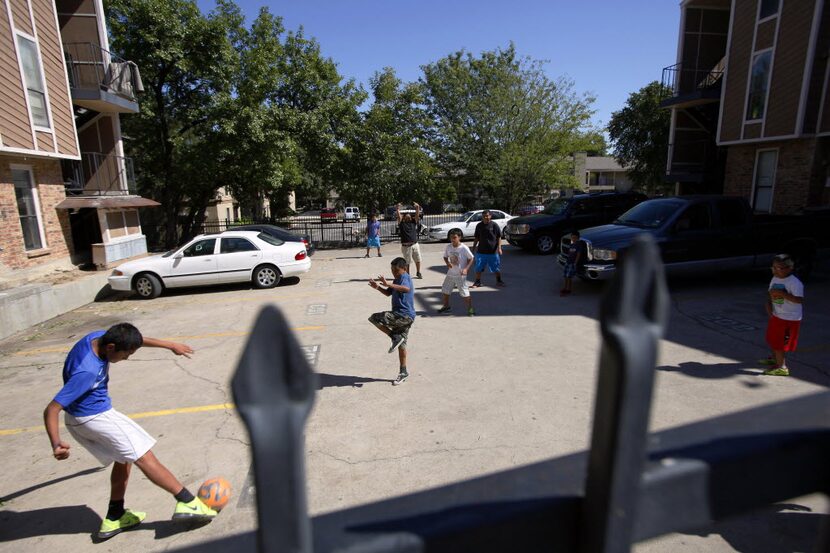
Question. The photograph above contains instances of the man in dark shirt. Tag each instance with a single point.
(487, 247)
(409, 226)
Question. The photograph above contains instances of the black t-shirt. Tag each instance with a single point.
(409, 232)
(488, 236)
(579, 247)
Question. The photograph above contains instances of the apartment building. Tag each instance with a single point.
(749, 102)
(67, 192)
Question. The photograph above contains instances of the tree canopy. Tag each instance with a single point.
(640, 136)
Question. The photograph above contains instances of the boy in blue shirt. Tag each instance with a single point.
(396, 323)
(373, 235)
(109, 435)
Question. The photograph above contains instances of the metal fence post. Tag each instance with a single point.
(633, 314)
(273, 388)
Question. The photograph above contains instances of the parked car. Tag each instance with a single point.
(467, 222)
(233, 256)
(390, 213)
(281, 234)
(529, 209)
(543, 231)
(702, 234)
(351, 214)
(328, 215)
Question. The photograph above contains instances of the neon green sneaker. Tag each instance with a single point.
(780, 371)
(195, 510)
(129, 519)
(768, 361)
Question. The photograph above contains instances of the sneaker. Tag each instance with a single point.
(195, 510)
(418, 275)
(365, 256)
(780, 371)
(500, 283)
(445, 309)
(769, 361)
(397, 340)
(129, 519)
(476, 284)
(380, 255)
(471, 312)
(401, 377)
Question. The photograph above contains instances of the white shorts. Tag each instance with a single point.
(110, 436)
(460, 282)
(411, 252)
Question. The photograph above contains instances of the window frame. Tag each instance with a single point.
(186, 248)
(747, 111)
(753, 197)
(766, 18)
(223, 239)
(35, 205)
(23, 81)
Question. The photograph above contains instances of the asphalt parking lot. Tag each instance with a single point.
(509, 387)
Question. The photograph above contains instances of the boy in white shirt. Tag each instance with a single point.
(459, 259)
(784, 299)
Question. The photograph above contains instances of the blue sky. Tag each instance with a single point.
(608, 47)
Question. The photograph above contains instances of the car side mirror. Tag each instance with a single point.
(178, 256)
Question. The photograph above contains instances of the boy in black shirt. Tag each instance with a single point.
(488, 254)
(409, 226)
(576, 257)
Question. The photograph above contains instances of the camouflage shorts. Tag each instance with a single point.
(393, 322)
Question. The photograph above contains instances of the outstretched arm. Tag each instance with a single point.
(175, 347)
(417, 212)
(398, 212)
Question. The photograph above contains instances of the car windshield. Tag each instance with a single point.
(466, 216)
(557, 207)
(649, 214)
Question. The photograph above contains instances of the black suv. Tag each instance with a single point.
(542, 231)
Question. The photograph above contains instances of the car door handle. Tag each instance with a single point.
(208, 260)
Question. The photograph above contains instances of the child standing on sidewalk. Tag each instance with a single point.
(576, 256)
(373, 235)
(459, 259)
(397, 322)
(784, 308)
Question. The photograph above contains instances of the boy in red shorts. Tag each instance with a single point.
(784, 307)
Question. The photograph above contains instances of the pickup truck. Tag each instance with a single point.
(701, 234)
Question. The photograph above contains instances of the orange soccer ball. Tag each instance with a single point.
(215, 493)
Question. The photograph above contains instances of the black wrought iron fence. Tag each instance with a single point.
(630, 486)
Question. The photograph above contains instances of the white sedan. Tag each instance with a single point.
(233, 256)
(467, 223)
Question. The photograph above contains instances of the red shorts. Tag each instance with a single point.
(782, 335)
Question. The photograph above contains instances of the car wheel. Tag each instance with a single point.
(147, 286)
(545, 244)
(266, 276)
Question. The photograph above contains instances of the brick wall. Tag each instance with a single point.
(794, 173)
(49, 181)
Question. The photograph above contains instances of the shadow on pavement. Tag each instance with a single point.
(71, 519)
(24, 491)
(341, 380)
(719, 371)
(106, 294)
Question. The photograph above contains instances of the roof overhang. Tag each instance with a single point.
(106, 202)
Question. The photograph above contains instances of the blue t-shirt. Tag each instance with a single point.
(85, 379)
(372, 229)
(404, 303)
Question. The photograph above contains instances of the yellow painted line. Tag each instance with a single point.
(148, 414)
(65, 349)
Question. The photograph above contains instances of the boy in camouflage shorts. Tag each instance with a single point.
(396, 323)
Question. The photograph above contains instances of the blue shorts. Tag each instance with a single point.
(373, 242)
(569, 271)
(491, 260)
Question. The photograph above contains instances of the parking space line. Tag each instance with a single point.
(145, 415)
(229, 334)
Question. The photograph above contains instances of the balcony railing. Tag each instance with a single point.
(90, 67)
(679, 80)
(99, 175)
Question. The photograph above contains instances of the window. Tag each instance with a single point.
(732, 213)
(758, 82)
(202, 247)
(497, 215)
(764, 179)
(28, 209)
(696, 217)
(273, 240)
(33, 77)
(234, 244)
(768, 8)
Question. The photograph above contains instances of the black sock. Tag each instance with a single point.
(115, 510)
(184, 496)
(403, 370)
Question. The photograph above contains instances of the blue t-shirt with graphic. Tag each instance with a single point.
(372, 229)
(404, 303)
(85, 379)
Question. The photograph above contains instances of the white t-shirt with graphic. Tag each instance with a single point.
(783, 308)
(458, 257)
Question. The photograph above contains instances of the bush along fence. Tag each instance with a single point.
(629, 487)
(324, 234)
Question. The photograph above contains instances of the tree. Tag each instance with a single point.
(640, 136)
(501, 130)
(385, 157)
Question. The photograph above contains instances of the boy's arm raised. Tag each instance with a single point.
(175, 347)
